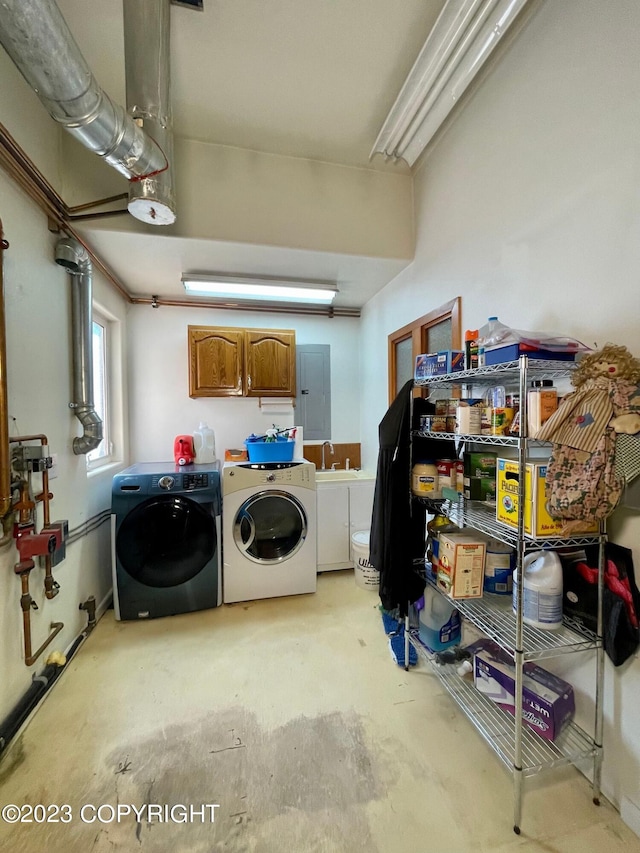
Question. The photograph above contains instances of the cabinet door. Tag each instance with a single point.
(270, 363)
(360, 506)
(215, 361)
(333, 525)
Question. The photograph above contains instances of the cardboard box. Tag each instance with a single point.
(460, 565)
(537, 521)
(548, 702)
(480, 464)
(468, 419)
(480, 489)
(438, 363)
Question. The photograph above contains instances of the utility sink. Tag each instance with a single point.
(337, 474)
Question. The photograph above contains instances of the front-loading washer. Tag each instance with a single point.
(269, 529)
(166, 539)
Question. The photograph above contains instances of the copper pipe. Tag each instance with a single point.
(106, 272)
(30, 657)
(5, 457)
(279, 308)
(29, 178)
(102, 214)
(88, 205)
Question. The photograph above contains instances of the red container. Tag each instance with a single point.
(183, 450)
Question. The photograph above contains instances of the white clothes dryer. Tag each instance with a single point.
(268, 530)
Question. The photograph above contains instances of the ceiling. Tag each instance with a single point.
(313, 79)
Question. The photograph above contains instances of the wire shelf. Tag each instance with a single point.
(481, 516)
(497, 727)
(540, 368)
(493, 615)
(491, 440)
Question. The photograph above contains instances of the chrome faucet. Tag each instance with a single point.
(324, 444)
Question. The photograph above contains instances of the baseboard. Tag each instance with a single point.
(103, 606)
(630, 814)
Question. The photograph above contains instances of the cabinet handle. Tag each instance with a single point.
(249, 381)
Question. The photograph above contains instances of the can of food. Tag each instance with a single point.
(446, 474)
(499, 564)
(501, 419)
(460, 476)
(451, 423)
(438, 423)
(425, 423)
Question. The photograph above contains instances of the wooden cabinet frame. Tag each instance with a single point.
(232, 362)
(418, 332)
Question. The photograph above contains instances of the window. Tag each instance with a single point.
(101, 341)
(435, 331)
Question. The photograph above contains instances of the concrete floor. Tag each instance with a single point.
(290, 715)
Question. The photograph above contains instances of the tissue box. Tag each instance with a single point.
(548, 702)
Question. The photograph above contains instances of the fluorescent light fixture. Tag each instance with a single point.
(462, 38)
(263, 289)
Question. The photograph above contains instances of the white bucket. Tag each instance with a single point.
(366, 576)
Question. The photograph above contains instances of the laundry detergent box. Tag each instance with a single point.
(460, 564)
(537, 521)
(548, 702)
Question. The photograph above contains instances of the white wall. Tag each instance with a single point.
(37, 296)
(528, 207)
(159, 379)
(39, 390)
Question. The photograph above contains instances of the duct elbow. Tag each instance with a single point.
(93, 432)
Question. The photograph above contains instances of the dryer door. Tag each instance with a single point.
(166, 540)
(270, 527)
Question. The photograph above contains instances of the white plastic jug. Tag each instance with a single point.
(542, 590)
(439, 622)
(204, 443)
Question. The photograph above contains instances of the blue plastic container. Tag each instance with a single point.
(512, 352)
(280, 450)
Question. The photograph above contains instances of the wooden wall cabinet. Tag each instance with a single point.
(241, 362)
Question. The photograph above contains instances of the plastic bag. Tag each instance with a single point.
(495, 333)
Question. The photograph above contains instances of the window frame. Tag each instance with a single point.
(418, 331)
(112, 427)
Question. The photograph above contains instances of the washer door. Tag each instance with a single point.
(270, 527)
(166, 540)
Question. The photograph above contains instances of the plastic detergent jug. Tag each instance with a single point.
(439, 622)
(204, 443)
(542, 590)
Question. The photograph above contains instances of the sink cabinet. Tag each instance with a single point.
(343, 508)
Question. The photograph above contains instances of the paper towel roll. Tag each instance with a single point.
(298, 454)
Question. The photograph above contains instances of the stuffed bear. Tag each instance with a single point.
(582, 486)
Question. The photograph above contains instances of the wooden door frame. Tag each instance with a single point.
(417, 332)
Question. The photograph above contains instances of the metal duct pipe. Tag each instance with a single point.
(75, 259)
(148, 79)
(36, 37)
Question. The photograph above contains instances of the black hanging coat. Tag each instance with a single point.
(397, 536)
